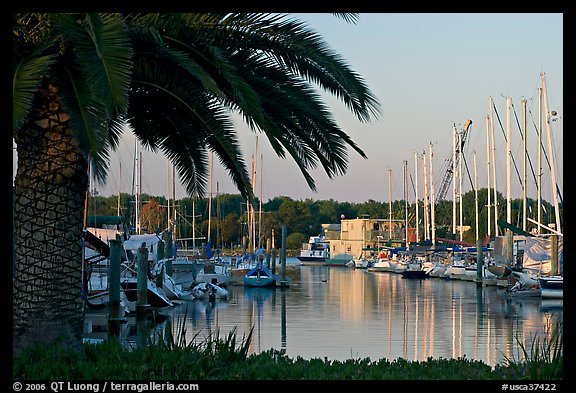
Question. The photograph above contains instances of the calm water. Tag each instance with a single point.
(342, 313)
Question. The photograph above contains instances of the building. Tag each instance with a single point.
(362, 237)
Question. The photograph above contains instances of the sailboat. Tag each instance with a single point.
(259, 276)
(213, 270)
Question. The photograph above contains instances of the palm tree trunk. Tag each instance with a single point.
(50, 188)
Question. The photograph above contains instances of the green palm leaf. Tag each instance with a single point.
(103, 50)
(28, 73)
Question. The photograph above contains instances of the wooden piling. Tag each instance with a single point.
(509, 247)
(268, 243)
(554, 265)
(479, 262)
(273, 256)
(115, 316)
(160, 251)
(169, 250)
(283, 282)
(142, 283)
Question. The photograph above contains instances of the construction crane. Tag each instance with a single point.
(449, 174)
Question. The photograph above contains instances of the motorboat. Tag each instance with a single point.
(206, 290)
(552, 286)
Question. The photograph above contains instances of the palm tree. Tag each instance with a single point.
(175, 81)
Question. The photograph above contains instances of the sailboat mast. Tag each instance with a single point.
(254, 172)
(476, 196)
(136, 212)
(250, 206)
(390, 204)
(454, 174)
(539, 185)
(250, 211)
(168, 215)
(494, 167)
(138, 188)
(119, 187)
(416, 194)
(210, 199)
(425, 181)
(460, 159)
(552, 165)
(260, 207)
(508, 158)
(524, 180)
(174, 218)
(140, 193)
(406, 201)
(193, 223)
(432, 218)
(218, 221)
(488, 175)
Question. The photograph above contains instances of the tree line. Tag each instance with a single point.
(303, 218)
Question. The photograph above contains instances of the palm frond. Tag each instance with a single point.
(175, 114)
(191, 69)
(88, 117)
(350, 17)
(298, 49)
(29, 72)
(103, 50)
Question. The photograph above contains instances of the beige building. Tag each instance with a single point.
(360, 237)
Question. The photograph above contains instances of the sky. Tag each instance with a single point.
(429, 72)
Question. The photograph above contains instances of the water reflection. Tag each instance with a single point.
(342, 313)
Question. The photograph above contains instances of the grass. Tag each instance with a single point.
(169, 357)
(543, 359)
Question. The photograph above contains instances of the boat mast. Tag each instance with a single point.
(425, 181)
(524, 180)
(138, 180)
(406, 201)
(416, 194)
(219, 240)
(476, 196)
(390, 205)
(494, 167)
(174, 219)
(454, 175)
(488, 174)
(209, 199)
(460, 159)
(260, 204)
(139, 205)
(508, 158)
(539, 185)
(168, 215)
(552, 165)
(251, 208)
(432, 214)
(119, 186)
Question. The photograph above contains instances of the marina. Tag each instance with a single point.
(341, 313)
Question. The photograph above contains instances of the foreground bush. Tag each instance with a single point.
(171, 358)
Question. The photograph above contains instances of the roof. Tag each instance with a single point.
(135, 241)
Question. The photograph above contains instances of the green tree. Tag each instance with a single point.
(230, 229)
(297, 217)
(175, 80)
(328, 211)
(294, 240)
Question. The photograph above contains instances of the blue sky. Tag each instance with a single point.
(429, 72)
